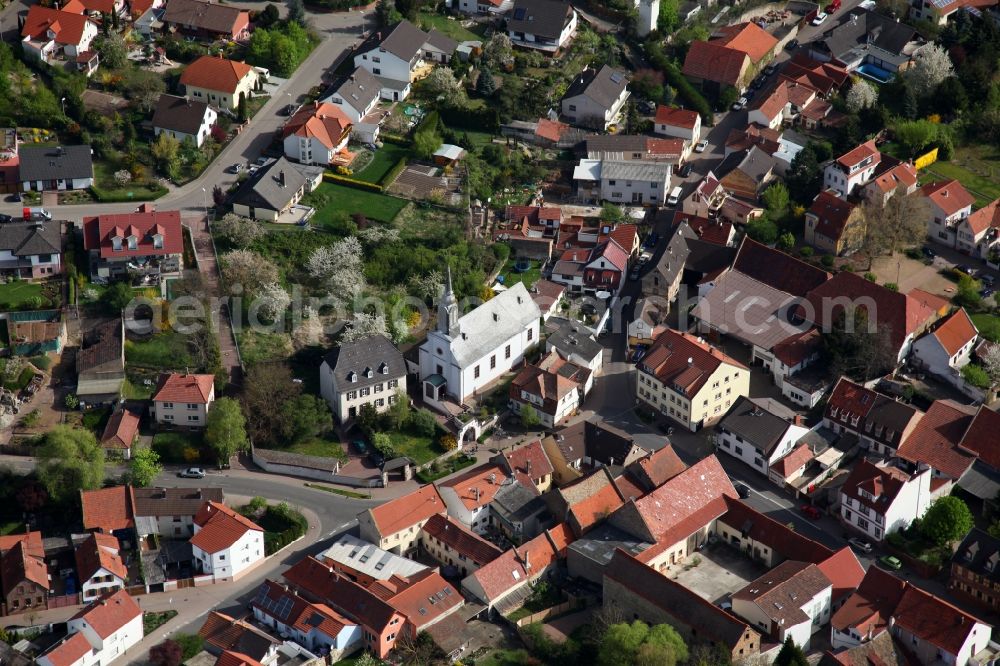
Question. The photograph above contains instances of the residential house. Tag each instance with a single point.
(222, 83)
(826, 77)
(877, 500)
(543, 25)
(651, 471)
(664, 279)
(852, 170)
(55, 168)
(468, 495)
(576, 344)
(936, 443)
(439, 47)
(393, 57)
(316, 133)
(980, 480)
(981, 229)
(529, 464)
(121, 433)
(395, 525)
(548, 296)
(208, 20)
(680, 123)
(519, 512)
(53, 35)
(455, 546)
(357, 95)
(585, 445)
(602, 267)
(30, 250)
(930, 628)
(111, 624)
(833, 225)
(975, 570)
(26, 583)
(184, 119)
(183, 400)
(465, 354)
(366, 563)
(707, 198)
(99, 566)
(891, 176)
(95, 8)
(167, 512)
(316, 627)
(754, 134)
(716, 232)
(791, 600)
(73, 650)
(946, 349)
(271, 193)
(107, 510)
(143, 244)
(554, 387)
(100, 363)
(785, 103)
(732, 56)
(866, 37)
(755, 435)
(495, 7)
(225, 544)
(634, 590)
(623, 182)
(950, 204)
(595, 98)
(636, 148)
(587, 502)
(368, 371)
(880, 423)
(225, 635)
(789, 368)
(747, 173)
(940, 11)
(689, 380)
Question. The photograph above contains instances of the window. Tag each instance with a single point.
(393, 383)
(192, 405)
(506, 352)
(475, 372)
(493, 362)
(352, 395)
(168, 405)
(366, 391)
(168, 417)
(531, 334)
(611, 183)
(193, 417)
(380, 402)
(379, 387)
(376, 71)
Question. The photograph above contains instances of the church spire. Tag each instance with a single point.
(448, 310)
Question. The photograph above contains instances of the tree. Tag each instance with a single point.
(310, 331)
(638, 644)
(862, 95)
(167, 653)
(225, 430)
(142, 87)
(854, 348)
(486, 85)
(947, 520)
(383, 444)
(498, 52)
(296, 12)
(612, 213)
(70, 460)
(425, 143)
(967, 292)
(112, 50)
(762, 230)
(933, 65)
(776, 200)
(240, 232)
(339, 267)
(669, 17)
(165, 150)
(900, 223)
(727, 97)
(365, 324)
(305, 416)
(272, 301)
(144, 467)
(266, 388)
(786, 241)
(442, 84)
(422, 422)
(916, 135)
(976, 376)
(117, 297)
(269, 16)
(246, 272)
(951, 97)
(386, 14)
(805, 177)
(910, 104)
(191, 644)
(991, 364)
(790, 655)
(399, 411)
(529, 417)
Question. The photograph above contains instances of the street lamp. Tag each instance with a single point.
(63, 102)
(204, 194)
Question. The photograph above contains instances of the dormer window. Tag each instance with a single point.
(352, 377)
(368, 372)
(116, 243)
(133, 242)
(158, 241)
(833, 412)
(384, 368)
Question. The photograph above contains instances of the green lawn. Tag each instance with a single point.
(976, 167)
(257, 346)
(382, 162)
(988, 325)
(179, 447)
(319, 447)
(14, 295)
(108, 189)
(418, 448)
(528, 277)
(167, 350)
(372, 205)
(450, 27)
(153, 621)
(449, 466)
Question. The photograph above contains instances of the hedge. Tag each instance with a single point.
(353, 182)
(392, 173)
(275, 541)
(695, 100)
(481, 120)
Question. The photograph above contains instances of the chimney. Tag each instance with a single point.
(281, 177)
(527, 561)
(797, 420)
(690, 361)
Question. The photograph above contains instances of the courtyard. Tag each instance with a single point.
(720, 571)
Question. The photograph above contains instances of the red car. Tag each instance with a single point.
(811, 512)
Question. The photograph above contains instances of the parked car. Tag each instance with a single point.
(860, 544)
(811, 512)
(359, 446)
(987, 279)
(819, 18)
(792, 45)
(288, 110)
(740, 103)
(770, 69)
(742, 490)
(4, 219)
(377, 458)
(968, 270)
(685, 170)
(14, 198)
(701, 146)
(928, 252)
(235, 168)
(634, 274)
(37, 214)
(192, 473)
(647, 107)
(986, 292)
(890, 562)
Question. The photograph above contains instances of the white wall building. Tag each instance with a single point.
(312, 626)
(755, 435)
(852, 169)
(392, 58)
(879, 499)
(99, 567)
(595, 97)
(649, 14)
(184, 400)
(680, 123)
(226, 544)
(184, 119)
(545, 25)
(111, 625)
(357, 95)
(791, 600)
(946, 349)
(369, 371)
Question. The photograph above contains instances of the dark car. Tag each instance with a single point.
(288, 110)
(377, 458)
(968, 270)
(14, 198)
(359, 446)
(986, 292)
(811, 512)
(770, 69)
(685, 170)
(792, 45)
(634, 274)
(929, 253)
(742, 490)
(4, 219)
(651, 240)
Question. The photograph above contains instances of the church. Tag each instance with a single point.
(465, 354)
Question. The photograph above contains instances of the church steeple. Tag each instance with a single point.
(448, 310)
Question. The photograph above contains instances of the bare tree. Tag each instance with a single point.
(933, 65)
(239, 231)
(861, 96)
(340, 267)
(246, 270)
(900, 223)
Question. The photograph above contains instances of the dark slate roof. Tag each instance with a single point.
(515, 503)
(753, 162)
(264, 188)
(179, 114)
(604, 443)
(102, 344)
(441, 41)
(545, 18)
(404, 41)
(777, 269)
(55, 162)
(573, 338)
(604, 86)
(358, 89)
(173, 501)
(754, 424)
(860, 26)
(674, 256)
(980, 553)
(24, 239)
(374, 352)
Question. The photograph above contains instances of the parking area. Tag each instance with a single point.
(721, 570)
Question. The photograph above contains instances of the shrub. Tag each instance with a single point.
(827, 260)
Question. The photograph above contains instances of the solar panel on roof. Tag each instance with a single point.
(261, 595)
(283, 607)
(616, 77)
(315, 620)
(519, 13)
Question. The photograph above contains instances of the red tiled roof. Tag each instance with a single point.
(230, 658)
(175, 387)
(858, 154)
(223, 632)
(98, 231)
(934, 620)
(798, 457)
(956, 331)
(523, 563)
(221, 527)
(477, 486)
(109, 613)
(656, 468)
(935, 439)
(764, 529)
(777, 269)
(666, 115)
(844, 571)
(832, 215)
(667, 359)
(121, 430)
(415, 600)
(881, 481)
(140, 7)
(99, 551)
(868, 610)
(551, 380)
(551, 130)
(714, 62)
(930, 301)
(715, 231)
(67, 26)
(529, 462)
(33, 540)
(949, 196)
(595, 508)
(70, 650)
(23, 562)
(747, 37)
(408, 510)
(798, 347)
(454, 535)
(983, 436)
(320, 120)
(215, 73)
(986, 217)
(902, 174)
(107, 509)
(302, 615)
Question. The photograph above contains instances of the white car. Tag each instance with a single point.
(820, 18)
(860, 544)
(701, 146)
(740, 104)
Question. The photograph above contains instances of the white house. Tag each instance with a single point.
(852, 169)
(184, 119)
(790, 600)
(623, 182)
(53, 34)
(681, 123)
(649, 15)
(316, 134)
(369, 371)
(109, 626)
(468, 496)
(55, 168)
(393, 58)
(946, 349)
(755, 435)
(357, 95)
(879, 499)
(950, 203)
(483, 6)
(313, 626)
(225, 544)
(545, 25)
(463, 355)
(577, 344)
(554, 387)
(99, 567)
(183, 400)
(596, 97)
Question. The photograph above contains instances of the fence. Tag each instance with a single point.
(558, 609)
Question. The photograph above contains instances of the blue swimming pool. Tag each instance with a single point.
(875, 73)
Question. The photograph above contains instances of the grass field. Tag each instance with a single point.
(318, 447)
(450, 27)
(166, 350)
(257, 347)
(988, 325)
(13, 295)
(384, 159)
(528, 277)
(372, 205)
(976, 167)
(419, 449)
